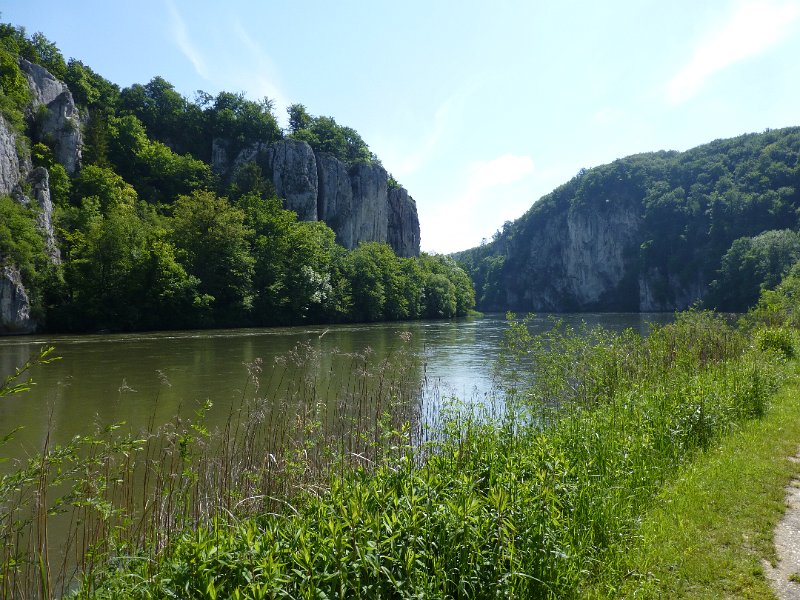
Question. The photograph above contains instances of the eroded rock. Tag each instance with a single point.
(56, 118)
(370, 203)
(335, 200)
(9, 161)
(15, 307)
(294, 174)
(403, 227)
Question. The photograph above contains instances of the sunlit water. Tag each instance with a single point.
(132, 378)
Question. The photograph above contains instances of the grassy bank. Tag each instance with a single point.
(558, 497)
(543, 503)
(710, 529)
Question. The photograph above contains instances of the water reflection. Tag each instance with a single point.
(136, 377)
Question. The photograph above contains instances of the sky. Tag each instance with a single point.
(477, 108)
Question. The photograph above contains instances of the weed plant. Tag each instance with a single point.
(112, 494)
(539, 501)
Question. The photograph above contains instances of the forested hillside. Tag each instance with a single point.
(651, 232)
(137, 208)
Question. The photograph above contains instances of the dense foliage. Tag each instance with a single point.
(151, 238)
(688, 210)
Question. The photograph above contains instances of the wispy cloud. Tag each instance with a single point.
(445, 119)
(181, 37)
(752, 28)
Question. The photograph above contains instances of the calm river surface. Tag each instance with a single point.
(134, 377)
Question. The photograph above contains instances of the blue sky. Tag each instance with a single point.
(478, 108)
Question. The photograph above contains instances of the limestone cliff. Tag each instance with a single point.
(354, 201)
(40, 184)
(11, 168)
(578, 259)
(55, 116)
(370, 203)
(403, 228)
(15, 307)
(294, 175)
(335, 204)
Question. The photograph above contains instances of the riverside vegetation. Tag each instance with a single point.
(541, 498)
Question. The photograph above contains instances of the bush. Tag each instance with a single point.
(775, 339)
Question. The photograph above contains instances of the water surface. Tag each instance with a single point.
(134, 377)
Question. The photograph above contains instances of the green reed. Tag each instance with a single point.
(301, 497)
(117, 493)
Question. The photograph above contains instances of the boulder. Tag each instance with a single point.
(56, 118)
(403, 226)
(15, 307)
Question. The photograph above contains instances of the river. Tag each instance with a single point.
(135, 377)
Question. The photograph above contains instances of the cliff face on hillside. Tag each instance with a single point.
(352, 198)
(576, 259)
(645, 233)
(15, 308)
(54, 118)
(354, 201)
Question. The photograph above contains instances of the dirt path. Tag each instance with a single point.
(785, 576)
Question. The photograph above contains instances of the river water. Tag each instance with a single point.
(132, 378)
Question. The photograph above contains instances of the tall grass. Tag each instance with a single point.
(537, 501)
(117, 493)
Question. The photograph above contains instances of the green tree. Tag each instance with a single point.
(90, 89)
(21, 243)
(168, 117)
(101, 260)
(448, 289)
(14, 92)
(299, 118)
(157, 173)
(104, 184)
(368, 284)
(239, 121)
(752, 265)
(212, 242)
(44, 52)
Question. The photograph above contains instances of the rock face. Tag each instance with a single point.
(370, 203)
(335, 200)
(578, 258)
(15, 308)
(403, 229)
(55, 119)
(294, 175)
(353, 201)
(40, 181)
(55, 115)
(9, 161)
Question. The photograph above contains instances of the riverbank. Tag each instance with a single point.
(543, 502)
(710, 531)
(543, 499)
